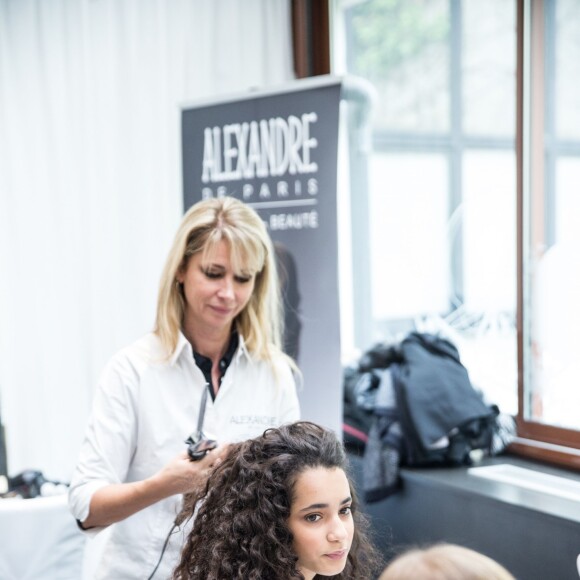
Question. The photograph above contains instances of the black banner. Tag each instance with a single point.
(277, 151)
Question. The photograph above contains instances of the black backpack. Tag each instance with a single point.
(437, 403)
(435, 399)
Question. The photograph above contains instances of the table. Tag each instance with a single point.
(39, 540)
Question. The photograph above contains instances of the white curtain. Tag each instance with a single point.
(90, 184)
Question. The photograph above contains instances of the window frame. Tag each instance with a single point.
(311, 43)
(310, 37)
(535, 440)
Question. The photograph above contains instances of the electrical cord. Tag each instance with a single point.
(197, 448)
(163, 550)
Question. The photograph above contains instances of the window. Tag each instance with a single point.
(550, 247)
(430, 91)
(438, 94)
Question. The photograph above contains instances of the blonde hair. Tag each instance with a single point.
(204, 225)
(444, 562)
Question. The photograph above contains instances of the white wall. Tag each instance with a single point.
(90, 184)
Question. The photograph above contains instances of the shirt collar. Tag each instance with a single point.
(242, 349)
(205, 364)
(183, 343)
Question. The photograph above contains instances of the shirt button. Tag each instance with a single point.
(222, 364)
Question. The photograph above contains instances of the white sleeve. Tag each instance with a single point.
(110, 439)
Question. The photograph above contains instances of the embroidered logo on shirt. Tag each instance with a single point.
(264, 420)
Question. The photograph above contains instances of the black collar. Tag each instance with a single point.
(204, 363)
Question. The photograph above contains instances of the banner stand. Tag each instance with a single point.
(276, 150)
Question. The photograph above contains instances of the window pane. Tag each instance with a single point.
(489, 220)
(555, 320)
(488, 333)
(402, 47)
(489, 64)
(552, 339)
(435, 193)
(567, 69)
(568, 202)
(408, 232)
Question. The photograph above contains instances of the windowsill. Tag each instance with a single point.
(460, 480)
(546, 453)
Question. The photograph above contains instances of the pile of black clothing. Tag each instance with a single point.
(412, 404)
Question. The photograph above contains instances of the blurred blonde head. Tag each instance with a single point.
(203, 226)
(444, 562)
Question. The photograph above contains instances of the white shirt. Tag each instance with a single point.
(144, 409)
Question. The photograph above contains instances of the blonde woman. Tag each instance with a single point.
(444, 562)
(213, 357)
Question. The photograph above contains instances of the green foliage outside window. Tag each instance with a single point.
(387, 33)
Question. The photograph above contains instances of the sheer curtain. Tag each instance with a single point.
(90, 184)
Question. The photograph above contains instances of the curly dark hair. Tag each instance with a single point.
(241, 526)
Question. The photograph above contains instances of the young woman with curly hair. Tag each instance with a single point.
(278, 507)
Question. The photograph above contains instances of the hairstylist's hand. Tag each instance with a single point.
(182, 475)
(116, 502)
